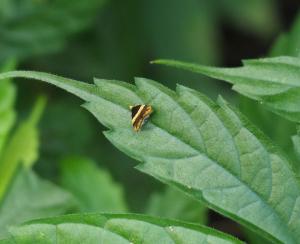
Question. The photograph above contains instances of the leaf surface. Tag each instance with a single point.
(206, 149)
(113, 228)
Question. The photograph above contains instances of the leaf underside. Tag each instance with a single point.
(206, 149)
(274, 82)
(114, 228)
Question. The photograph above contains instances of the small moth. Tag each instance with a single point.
(139, 115)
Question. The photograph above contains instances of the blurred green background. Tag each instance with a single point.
(116, 40)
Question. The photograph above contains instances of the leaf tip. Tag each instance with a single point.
(158, 61)
(140, 81)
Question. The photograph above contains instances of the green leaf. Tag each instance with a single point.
(273, 82)
(31, 197)
(288, 43)
(7, 100)
(175, 205)
(114, 228)
(93, 187)
(206, 149)
(37, 27)
(21, 149)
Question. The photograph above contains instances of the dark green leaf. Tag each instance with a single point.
(198, 19)
(273, 82)
(206, 149)
(113, 228)
(36, 27)
(93, 187)
(59, 138)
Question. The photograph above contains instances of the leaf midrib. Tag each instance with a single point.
(217, 73)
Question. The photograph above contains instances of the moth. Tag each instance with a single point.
(139, 115)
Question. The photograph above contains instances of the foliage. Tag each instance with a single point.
(93, 187)
(113, 228)
(173, 204)
(60, 139)
(7, 99)
(271, 81)
(206, 154)
(23, 195)
(31, 197)
(21, 149)
(222, 156)
(118, 43)
(288, 43)
(127, 35)
(29, 27)
(258, 16)
(296, 142)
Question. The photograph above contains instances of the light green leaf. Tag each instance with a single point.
(93, 187)
(273, 82)
(288, 43)
(7, 100)
(30, 197)
(175, 205)
(114, 228)
(206, 149)
(21, 149)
